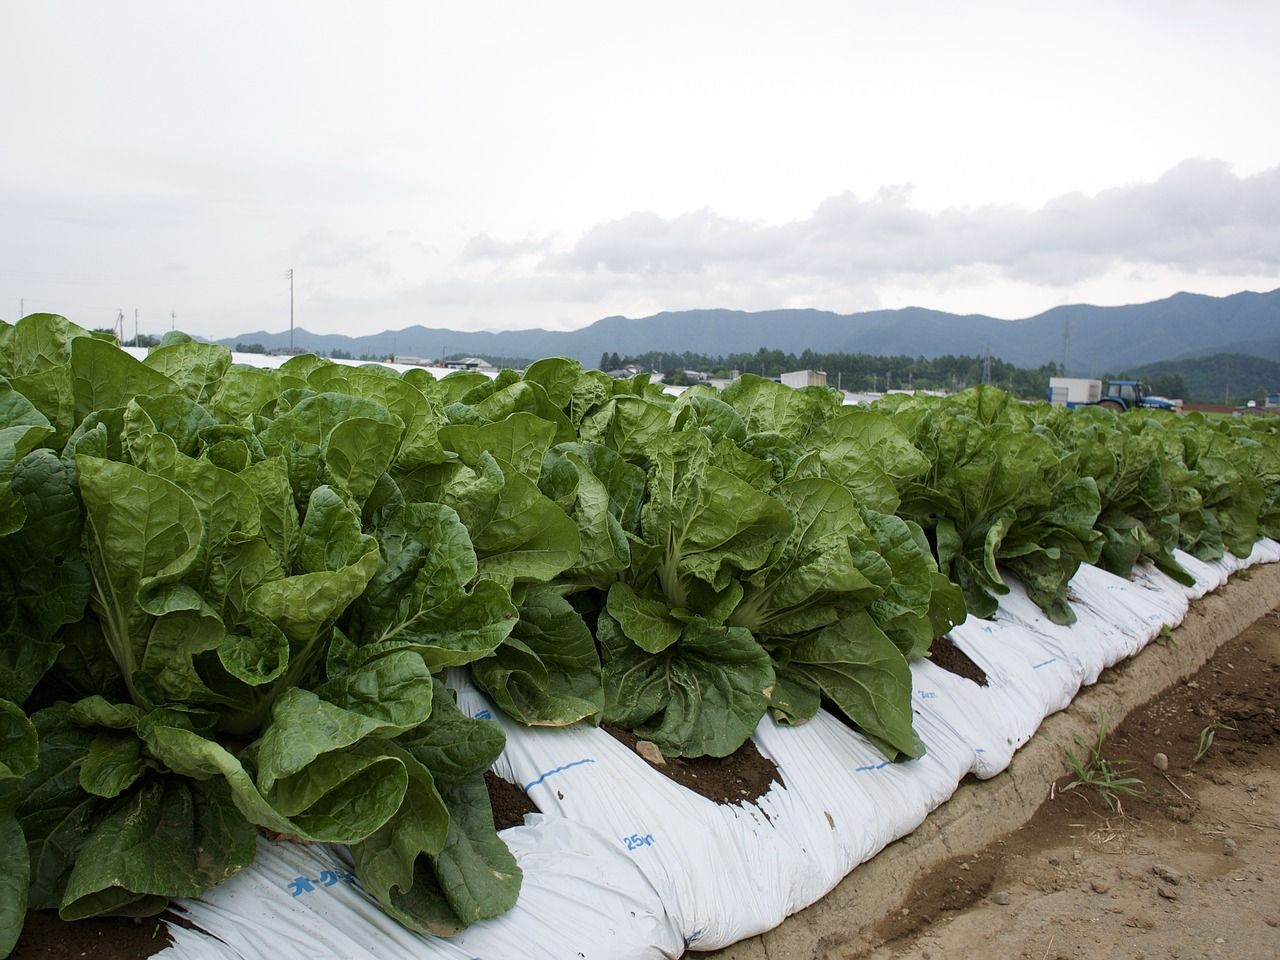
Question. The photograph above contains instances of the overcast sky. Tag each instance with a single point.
(515, 164)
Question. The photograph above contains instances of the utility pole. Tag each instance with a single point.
(173, 320)
(1066, 340)
(120, 323)
(288, 275)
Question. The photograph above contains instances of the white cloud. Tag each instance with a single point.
(1198, 217)
(483, 247)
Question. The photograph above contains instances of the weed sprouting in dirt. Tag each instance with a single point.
(1206, 739)
(1112, 779)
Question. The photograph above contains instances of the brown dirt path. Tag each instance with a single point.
(1186, 867)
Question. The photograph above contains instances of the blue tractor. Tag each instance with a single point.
(1122, 395)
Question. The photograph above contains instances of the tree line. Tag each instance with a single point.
(855, 372)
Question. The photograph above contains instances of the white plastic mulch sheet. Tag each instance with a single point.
(1264, 551)
(622, 863)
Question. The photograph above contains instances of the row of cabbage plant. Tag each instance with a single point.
(233, 593)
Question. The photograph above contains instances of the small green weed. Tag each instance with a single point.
(1206, 739)
(1112, 779)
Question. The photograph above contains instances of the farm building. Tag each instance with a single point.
(805, 378)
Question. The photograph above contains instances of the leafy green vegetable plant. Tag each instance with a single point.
(999, 494)
(243, 686)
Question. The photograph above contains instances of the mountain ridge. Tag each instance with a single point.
(1088, 338)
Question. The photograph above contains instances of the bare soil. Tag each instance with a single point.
(951, 658)
(1188, 867)
(743, 776)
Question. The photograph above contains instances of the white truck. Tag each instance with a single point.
(1074, 391)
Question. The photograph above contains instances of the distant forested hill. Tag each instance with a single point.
(1084, 339)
